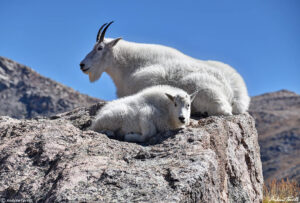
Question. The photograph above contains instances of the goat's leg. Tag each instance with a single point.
(133, 137)
(147, 130)
(213, 102)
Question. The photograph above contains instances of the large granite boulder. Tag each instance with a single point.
(215, 159)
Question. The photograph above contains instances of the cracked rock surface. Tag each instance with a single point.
(215, 159)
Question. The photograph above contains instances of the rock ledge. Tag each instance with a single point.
(215, 159)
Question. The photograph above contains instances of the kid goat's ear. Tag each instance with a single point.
(170, 97)
(114, 42)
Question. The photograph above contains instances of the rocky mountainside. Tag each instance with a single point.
(215, 159)
(277, 117)
(26, 94)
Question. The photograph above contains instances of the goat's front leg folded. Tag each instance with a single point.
(147, 130)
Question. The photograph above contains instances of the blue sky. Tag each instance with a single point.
(261, 39)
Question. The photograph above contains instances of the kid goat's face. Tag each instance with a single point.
(181, 108)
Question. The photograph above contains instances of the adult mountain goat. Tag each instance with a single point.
(140, 116)
(134, 66)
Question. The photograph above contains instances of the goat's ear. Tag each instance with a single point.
(193, 96)
(114, 42)
(170, 97)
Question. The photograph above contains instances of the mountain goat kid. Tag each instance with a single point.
(135, 66)
(142, 115)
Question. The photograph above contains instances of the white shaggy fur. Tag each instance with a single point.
(134, 66)
(142, 115)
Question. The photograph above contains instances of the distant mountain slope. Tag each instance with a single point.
(277, 117)
(26, 94)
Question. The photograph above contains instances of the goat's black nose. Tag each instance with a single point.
(181, 118)
(81, 66)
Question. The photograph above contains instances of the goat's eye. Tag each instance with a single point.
(100, 48)
(175, 104)
(188, 106)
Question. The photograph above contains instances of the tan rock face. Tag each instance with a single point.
(215, 159)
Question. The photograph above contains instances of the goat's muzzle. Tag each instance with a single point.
(182, 119)
(83, 68)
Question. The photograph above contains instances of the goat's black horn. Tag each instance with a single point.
(99, 32)
(103, 33)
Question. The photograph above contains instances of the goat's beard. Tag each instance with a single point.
(94, 75)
